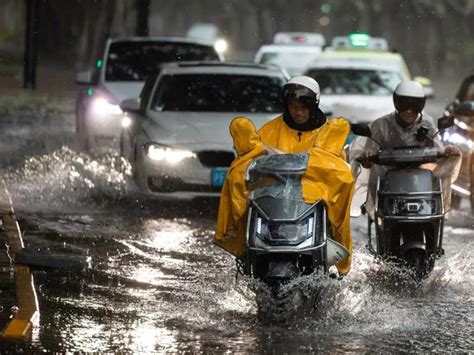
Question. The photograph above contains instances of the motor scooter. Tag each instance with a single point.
(285, 236)
(409, 209)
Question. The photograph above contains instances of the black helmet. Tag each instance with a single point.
(409, 94)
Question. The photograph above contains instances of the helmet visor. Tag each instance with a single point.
(298, 92)
(404, 103)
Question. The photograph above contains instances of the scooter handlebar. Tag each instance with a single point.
(368, 159)
(445, 155)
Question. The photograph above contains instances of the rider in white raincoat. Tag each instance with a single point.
(406, 126)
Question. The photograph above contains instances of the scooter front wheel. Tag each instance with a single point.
(417, 261)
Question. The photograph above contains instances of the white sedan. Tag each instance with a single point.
(359, 90)
(176, 136)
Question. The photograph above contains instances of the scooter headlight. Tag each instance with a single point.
(421, 206)
(284, 233)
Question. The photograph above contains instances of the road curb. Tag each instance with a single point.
(27, 315)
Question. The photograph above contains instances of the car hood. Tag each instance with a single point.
(358, 108)
(197, 130)
(121, 90)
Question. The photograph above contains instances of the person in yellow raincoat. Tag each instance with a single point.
(302, 120)
(302, 128)
(233, 202)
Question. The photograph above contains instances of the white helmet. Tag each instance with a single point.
(302, 87)
(409, 94)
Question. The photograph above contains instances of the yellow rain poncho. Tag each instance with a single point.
(233, 202)
(277, 134)
(328, 177)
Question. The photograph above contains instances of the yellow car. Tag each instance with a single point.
(357, 75)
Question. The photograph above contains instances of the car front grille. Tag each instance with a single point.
(172, 184)
(215, 158)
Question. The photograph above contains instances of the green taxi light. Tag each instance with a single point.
(90, 91)
(359, 39)
(99, 63)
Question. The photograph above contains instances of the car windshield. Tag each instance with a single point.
(135, 60)
(219, 93)
(356, 81)
(288, 59)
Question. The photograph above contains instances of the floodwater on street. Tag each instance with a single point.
(157, 283)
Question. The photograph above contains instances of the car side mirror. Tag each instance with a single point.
(361, 129)
(445, 122)
(84, 78)
(427, 85)
(130, 105)
(464, 108)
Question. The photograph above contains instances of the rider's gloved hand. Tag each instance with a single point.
(365, 160)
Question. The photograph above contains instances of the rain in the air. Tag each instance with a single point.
(234, 176)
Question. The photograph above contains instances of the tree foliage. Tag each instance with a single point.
(431, 34)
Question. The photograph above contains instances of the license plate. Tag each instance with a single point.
(218, 176)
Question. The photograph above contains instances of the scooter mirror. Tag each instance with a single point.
(445, 122)
(360, 129)
(464, 109)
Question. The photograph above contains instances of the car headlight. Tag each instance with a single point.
(162, 153)
(102, 107)
(126, 121)
(423, 206)
(285, 233)
(220, 45)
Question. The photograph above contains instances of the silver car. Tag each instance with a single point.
(176, 136)
(119, 74)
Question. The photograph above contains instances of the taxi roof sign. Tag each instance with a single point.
(359, 41)
(305, 38)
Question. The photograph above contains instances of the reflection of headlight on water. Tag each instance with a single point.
(126, 121)
(220, 45)
(100, 106)
(171, 156)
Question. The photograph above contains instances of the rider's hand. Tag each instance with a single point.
(365, 159)
(452, 150)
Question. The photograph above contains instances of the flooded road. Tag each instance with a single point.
(157, 284)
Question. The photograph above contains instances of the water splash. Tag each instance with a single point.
(66, 178)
